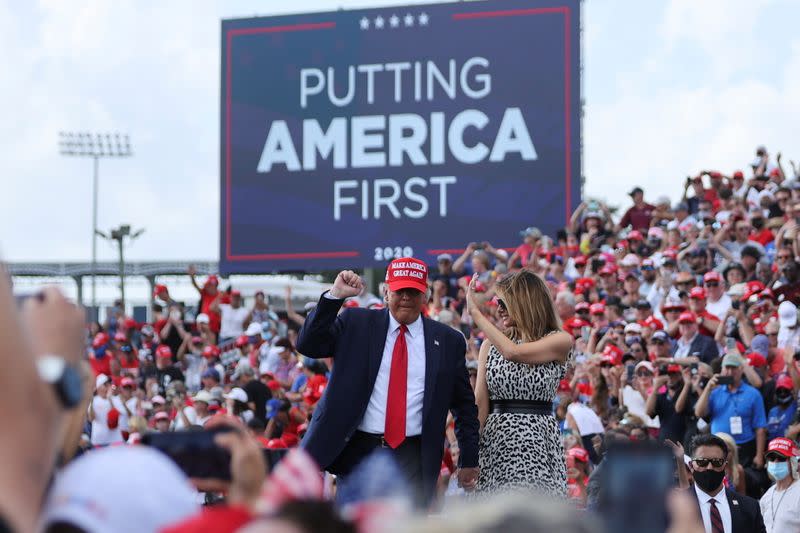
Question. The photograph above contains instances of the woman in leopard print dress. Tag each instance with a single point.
(518, 374)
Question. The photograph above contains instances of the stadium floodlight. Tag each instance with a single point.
(119, 234)
(96, 146)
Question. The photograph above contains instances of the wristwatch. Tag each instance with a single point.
(65, 379)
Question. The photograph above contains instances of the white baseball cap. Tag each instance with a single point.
(253, 329)
(100, 380)
(202, 318)
(787, 315)
(237, 393)
(94, 491)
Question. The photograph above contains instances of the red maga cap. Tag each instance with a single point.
(407, 273)
(783, 446)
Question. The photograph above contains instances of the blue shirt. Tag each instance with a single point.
(778, 420)
(746, 403)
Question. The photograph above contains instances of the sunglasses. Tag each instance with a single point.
(703, 463)
(502, 304)
(777, 458)
(784, 257)
(644, 374)
(656, 342)
(712, 284)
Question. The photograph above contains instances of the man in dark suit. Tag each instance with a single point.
(722, 510)
(395, 376)
(692, 342)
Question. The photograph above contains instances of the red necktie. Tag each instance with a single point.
(716, 519)
(394, 432)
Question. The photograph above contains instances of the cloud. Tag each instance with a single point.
(671, 88)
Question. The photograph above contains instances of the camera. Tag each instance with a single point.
(735, 304)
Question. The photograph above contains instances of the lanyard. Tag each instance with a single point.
(772, 504)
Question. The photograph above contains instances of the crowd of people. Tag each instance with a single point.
(672, 323)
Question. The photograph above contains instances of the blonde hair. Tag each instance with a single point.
(530, 306)
(734, 462)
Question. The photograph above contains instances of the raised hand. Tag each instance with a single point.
(347, 284)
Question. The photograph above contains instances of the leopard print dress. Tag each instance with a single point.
(522, 451)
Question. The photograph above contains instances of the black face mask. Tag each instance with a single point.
(702, 383)
(783, 398)
(757, 223)
(708, 480)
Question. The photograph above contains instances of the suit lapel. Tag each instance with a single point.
(736, 511)
(377, 341)
(432, 357)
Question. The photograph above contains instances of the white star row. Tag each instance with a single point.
(394, 21)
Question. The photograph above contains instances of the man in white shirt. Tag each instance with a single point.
(717, 301)
(722, 510)
(780, 505)
(233, 318)
(99, 410)
(390, 367)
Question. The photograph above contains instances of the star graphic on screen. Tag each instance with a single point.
(394, 21)
(408, 20)
(364, 22)
(423, 19)
(379, 22)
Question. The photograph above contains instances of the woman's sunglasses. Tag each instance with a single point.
(703, 463)
(777, 458)
(502, 304)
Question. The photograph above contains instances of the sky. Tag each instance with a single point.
(670, 87)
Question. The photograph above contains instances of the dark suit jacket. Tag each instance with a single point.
(745, 512)
(704, 345)
(355, 339)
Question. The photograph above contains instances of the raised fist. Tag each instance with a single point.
(347, 284)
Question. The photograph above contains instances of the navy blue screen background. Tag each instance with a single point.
(281, 220)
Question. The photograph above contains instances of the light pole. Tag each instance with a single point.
(119, 235)
(96, 146)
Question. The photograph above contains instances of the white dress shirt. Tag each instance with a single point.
(374, 420)
(722, 504)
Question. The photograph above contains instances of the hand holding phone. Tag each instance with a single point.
(725, 380)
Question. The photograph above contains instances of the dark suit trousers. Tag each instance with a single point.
(408, 457)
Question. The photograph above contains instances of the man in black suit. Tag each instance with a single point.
(395, 376)
(722, 510)
(692, 342)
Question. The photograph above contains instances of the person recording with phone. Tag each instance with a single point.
(722, 510)
(736, 408)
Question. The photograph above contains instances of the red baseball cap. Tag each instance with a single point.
(673, 368)
(573, 325)
(607, 270)
(784, 382)
(581, 306)
(351, 303)
(161, 415)
(235, 292)
(242, 340)
(160, 289)
(101, 339)
(653, 323)
(579, 454)
(612, 354)
(211, 351)
(273, 384)
(407, 273)
(597, 309)
(712, 275)
(756, 360)
(127, 382)
(698, 293)
(635, 235)
(163, 351)
(212, 280)
(738, 175)
(687, 317)
(783, 446)
(580, 260)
